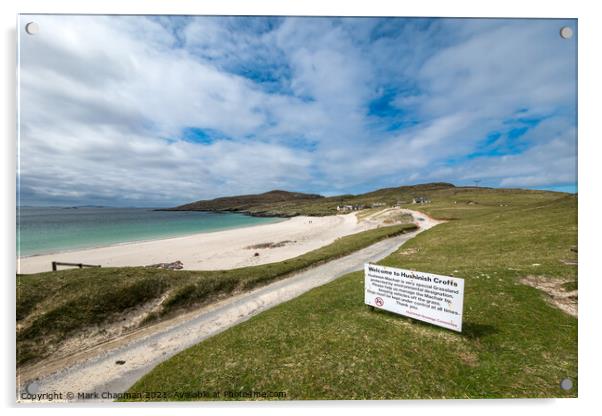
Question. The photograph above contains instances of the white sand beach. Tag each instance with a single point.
(218, 250)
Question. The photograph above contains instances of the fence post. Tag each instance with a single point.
(54, 266)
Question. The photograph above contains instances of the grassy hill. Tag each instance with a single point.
(326, 344)
(448, 201)
(258, 204)
(290, 204)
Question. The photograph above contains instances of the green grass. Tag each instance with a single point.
(326, 344)
(55, 305)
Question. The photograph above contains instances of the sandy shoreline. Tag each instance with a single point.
(147, 240)
(225, 249)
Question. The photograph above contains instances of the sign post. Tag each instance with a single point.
(428, 297)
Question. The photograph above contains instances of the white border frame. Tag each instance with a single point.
(589, 147)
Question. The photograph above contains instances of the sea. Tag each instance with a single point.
(54, 229)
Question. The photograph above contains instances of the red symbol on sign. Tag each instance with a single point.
(379, 302)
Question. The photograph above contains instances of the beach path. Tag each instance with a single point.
(97, 369)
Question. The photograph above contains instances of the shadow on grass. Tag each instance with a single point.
(470, 330)
(473, 330)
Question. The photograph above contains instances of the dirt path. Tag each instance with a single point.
(97, 370)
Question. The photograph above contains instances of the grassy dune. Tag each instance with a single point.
(326, 344)
(53, 306)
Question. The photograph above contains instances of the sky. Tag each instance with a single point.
(163, 110)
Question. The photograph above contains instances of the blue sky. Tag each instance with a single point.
(157, 111)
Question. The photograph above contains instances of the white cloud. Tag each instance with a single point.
(104, 102)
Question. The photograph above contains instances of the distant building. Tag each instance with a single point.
(344, 208)
(378, 204)
(420, 200)
(347, 208)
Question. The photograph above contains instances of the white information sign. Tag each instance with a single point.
(428, 297)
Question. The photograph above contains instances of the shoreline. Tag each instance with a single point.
(218, 250)
(257, 214)
(125, 243)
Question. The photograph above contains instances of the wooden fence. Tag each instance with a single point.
(80, 265)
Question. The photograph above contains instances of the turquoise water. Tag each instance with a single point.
(49, 230)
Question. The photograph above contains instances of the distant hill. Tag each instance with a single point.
(433, 186)
(280, 203)
(244, 203)
(290, 204)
